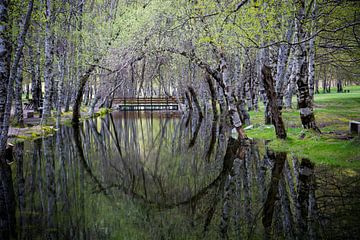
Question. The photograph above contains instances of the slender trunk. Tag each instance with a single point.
(19, 114)
(4, 57)
(60, 94)
(19, 153)
(196, 101)
(247, 89)
(188, 99)
(339, 86)
(213, 94)
(317, 87)
(290, 85)
(324, 80)
(312, 53)
(80, 92)
(50, 184)
(328, 90)
(37, 90)
(79, 49)
(7, 203)
(69, 90)
(311, 67)
(254, 89)
(27, 91)
(283, 59)
(48, 71)
(220, 98)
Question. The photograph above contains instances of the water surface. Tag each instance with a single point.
(152, 176)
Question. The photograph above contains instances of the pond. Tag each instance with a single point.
(158, 176)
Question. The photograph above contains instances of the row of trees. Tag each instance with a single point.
(204, 51)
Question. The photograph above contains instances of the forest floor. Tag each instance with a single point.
(335, 146)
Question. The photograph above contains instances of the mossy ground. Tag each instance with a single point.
(335, 146)
(40, 129)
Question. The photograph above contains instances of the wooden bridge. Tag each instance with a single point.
(146, 103)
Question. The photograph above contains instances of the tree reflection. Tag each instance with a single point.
(7, 203)
(135, 176)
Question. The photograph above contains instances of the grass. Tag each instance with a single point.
(335, 146)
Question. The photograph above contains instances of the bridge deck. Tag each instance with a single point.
(146, 104)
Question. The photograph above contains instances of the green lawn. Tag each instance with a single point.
(335, 146)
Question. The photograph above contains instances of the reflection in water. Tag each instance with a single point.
(162, 177)
(7, 203)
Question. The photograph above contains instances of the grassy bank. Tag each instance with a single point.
(34, 128)
(335, 146)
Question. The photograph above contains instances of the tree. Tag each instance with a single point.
(11, 79)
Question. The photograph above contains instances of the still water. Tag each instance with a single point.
(152, 176)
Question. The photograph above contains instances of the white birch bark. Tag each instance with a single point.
(283, 60)
(48, 70)
(301, 69)
(10, 86)
(4, 56)
(312, 54)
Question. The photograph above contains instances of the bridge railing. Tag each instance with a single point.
(145, 100)
(147, 103)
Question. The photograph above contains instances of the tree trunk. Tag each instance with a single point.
(213, 94)
(50, 183)
(220, 97)
(306, 172)
(311, 68)
(80, 92)
(188, 99)
(304, 98)
(304, 101)
(48, 70)
(93, 104)
(60, 95)
(290, 83)
(27, 91)
(196, 101)
(312, 52)
(317, 86)
(7, 203)
(263, 58)
(272, 98)
(232, 109)
(269, 205)
(4, 57)
(19, 114)
(19, 155)
(283, 59)
(339, 86)
(10, 86)
(36, 81)
(324, 79)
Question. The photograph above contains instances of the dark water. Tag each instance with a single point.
(158, 177)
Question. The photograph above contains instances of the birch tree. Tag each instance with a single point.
(14, 66)
(301, 70)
